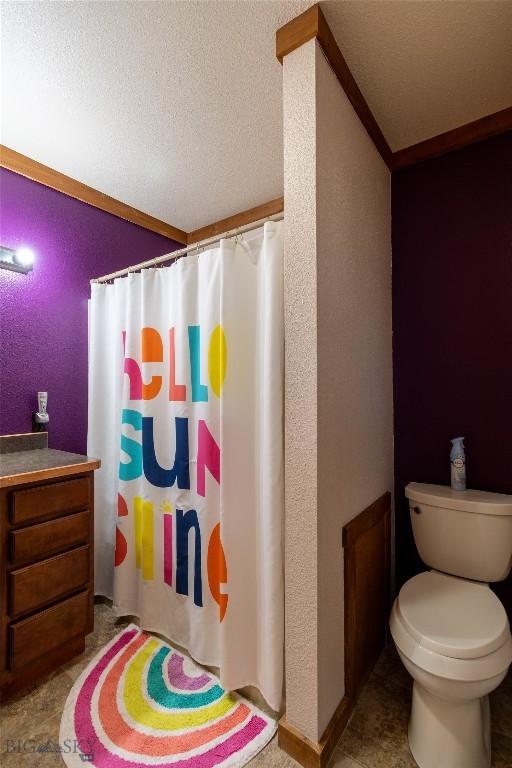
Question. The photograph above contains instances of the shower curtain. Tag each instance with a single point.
(185, 413)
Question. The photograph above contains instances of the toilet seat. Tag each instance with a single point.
(453, 617)
(439, 622)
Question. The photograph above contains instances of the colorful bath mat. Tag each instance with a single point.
(140, 702)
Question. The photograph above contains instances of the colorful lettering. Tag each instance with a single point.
(184, 522)
(143, 522)
(121, 544)
(217, 570)
(199, 391)
(152, 352)
(208, 455)
(132, 369)
(168, 549)
(132, 469)
(177, 392)
(217, 359)
(157, 475)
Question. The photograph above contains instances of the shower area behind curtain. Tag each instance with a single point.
(185, 412)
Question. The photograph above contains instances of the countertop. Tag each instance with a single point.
(29, 466)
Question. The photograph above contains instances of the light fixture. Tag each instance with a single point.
(19, 260)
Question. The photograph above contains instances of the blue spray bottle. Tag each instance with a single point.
(458, 464)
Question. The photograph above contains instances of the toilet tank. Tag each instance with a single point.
(465, 533)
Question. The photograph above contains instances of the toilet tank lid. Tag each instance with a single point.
(480, 502)
(453, 617)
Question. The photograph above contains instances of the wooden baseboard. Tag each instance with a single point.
(314, 754)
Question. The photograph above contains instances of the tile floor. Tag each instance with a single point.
(376, 736)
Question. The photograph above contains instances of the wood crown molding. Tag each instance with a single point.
(238, 220)
(42, 174)
(312, 24)
(463, 136)
(31, 169)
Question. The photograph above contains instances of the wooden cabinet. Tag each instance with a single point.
(46, 576)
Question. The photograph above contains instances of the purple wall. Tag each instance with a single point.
(452, 324)
(43, 315)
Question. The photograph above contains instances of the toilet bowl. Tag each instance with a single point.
(449, 628)
(454, 640)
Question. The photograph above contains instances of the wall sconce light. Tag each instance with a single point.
(19, 260)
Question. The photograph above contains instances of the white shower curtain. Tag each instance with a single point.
(185, 413)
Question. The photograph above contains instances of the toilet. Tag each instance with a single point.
(450, 629)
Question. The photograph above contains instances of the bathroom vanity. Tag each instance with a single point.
(47, 558)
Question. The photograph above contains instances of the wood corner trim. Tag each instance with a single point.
(312, 754)
(237, 220)
(457, 138)
(313, 24)
(298, 31)
(31, 169)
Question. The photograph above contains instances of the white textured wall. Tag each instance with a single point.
(355, 420)
(301, 604)
(338, 406)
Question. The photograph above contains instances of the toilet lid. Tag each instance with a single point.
(453, 617)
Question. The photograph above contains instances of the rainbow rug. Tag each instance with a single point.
(140, 702)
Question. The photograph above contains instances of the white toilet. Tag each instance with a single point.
(450, 629)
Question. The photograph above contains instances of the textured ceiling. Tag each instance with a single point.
(171, 107)
(426, 67)
(175, 107)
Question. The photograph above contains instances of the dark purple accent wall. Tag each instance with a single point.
(452, 325)
(43, 315)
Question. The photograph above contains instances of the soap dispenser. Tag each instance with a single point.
(40, 417)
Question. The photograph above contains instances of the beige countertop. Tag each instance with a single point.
(29, 466)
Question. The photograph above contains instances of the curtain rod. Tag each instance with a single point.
(195, 246)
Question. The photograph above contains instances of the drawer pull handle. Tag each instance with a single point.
(416, 510)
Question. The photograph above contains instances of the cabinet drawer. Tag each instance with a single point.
(38, 541)
(36, 585)
(31, 638)
(49, 500)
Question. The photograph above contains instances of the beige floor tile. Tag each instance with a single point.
(106, 626)
(376, 735)
(377, 732)
(501, 751)
(273, 757)
(23, 714)
(39, 749)
(341, 760)
(390, 667)
(501, 708)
